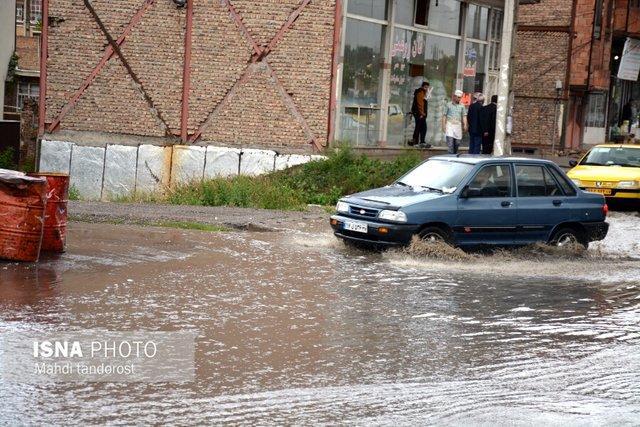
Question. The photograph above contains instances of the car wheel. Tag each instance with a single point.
(569, 238)
(435, 235)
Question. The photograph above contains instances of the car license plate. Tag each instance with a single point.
(605, 191)
(359, 227)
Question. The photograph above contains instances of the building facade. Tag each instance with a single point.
(568, 94)
(270, 79)
(24, 86)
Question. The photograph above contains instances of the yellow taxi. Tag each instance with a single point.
(612, 170)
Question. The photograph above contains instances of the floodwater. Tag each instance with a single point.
(295, 328)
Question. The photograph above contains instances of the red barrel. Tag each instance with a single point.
(54, 237)
(22, 205)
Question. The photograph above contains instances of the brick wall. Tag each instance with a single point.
(590, 56)
(546, 12)
(255, 112)
(541, 59)
(533, 122)
(28, 51)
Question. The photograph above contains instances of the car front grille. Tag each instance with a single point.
(364, 212)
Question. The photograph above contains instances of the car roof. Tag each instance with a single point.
(618, 146)
(476, 159)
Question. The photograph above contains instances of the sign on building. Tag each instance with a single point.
(630, 61)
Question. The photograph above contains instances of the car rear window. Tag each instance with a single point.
(534, 182)
(564, 182)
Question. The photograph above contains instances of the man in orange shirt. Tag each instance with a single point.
(419, 111)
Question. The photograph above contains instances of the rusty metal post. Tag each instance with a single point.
(333, 96)
(186, 74)
(44, 53)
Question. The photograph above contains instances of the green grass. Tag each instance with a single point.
(6, 159)
(318, 182)
(74, 194)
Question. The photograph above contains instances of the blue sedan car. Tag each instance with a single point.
(475, 200)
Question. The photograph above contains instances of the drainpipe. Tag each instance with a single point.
(186, 74)
(504, 86)
(44, 42)
(333, 95)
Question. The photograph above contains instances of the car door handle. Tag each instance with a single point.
(557, 202)
(506, 204)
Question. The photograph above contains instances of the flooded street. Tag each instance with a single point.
(293, 327)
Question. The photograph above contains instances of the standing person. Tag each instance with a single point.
(627, 114)
(488, 122)
(475, 127)
(419, 111)
(454, 122)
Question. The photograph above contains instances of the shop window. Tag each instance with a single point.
(474, 65)
(416, 57)
(20, 12)
(495, 36)
(596, 110)
(405, 12)
(422, 12)
(444, 16)
(359, 121)
(477, 22)
(376, 9)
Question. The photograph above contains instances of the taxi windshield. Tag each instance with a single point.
(613, 156)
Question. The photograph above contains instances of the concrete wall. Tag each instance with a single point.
(7, 42)
(112, 171)
(243, 103)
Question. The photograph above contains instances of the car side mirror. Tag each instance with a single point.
(573, 163)
(464, 194)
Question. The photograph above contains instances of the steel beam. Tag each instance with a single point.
(108, 54)
(186, 73)
(260, 55)
(44, 53)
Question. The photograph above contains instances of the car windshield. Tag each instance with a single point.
(439, 175)
(613, 156)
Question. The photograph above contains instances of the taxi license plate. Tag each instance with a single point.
(359, 227)
(604, 191)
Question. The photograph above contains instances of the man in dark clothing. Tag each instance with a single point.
(488, 124)
(627, 113)
(419, 111)
(475, 127)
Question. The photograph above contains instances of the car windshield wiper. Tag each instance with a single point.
(625, 165)
(404, 184)
(432, 188)
(592, 164)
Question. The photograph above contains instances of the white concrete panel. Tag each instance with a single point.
(221, 162)
(119, 171)
(257, 162)
(188, 164)
(286, 161)
(152, 168)
(87, 166)
(55, 156)
(317, 157)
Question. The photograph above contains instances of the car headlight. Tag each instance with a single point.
(628, 184)
(395, 216)
(577, 182)
(342, 207)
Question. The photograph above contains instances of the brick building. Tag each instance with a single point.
(25, 83)
(566, 89)
(269, 78)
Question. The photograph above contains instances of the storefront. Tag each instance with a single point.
(391, 46)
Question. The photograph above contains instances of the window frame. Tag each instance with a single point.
(509, 167)
(558, 176)
(20, 6)
(544, 168)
